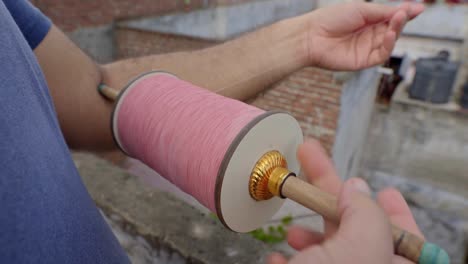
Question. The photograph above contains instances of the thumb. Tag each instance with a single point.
(364, 226)
(364, 235)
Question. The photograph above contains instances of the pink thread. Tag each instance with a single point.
(181, 131)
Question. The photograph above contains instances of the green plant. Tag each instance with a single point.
(273, 234)
(214, 216)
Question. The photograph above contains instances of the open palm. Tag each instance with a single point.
(356, 35)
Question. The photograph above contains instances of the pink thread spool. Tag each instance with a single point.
(214, 160)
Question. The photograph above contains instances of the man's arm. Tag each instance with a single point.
(343, 37)
(238, 69)
(73, 78)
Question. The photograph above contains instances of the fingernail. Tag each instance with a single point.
(360, 185)
(351, 186)
(345, 195)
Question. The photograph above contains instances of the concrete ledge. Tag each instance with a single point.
(222, 22)
(163, 220)
(401, 97)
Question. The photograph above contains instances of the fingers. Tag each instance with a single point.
(393, 203)
(376, 13)
(412, 10)
(385, 42)
(383, 49)
(388, 44)
(363, 225)
(379, 34)
(397, 22)
(318, 167)
(364, 235)
(299, 238)
(276, 258)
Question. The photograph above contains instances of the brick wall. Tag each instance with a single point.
(311, 95)
(72, 14)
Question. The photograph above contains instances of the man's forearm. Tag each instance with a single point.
(240, 68)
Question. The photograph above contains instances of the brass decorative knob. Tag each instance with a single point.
(268, 175)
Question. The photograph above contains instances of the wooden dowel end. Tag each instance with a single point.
(108, 92)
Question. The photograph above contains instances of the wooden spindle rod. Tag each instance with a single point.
(108, 92)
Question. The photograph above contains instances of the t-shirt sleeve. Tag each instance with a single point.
(33, 23)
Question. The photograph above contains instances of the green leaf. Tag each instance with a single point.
(281, 230)
(287, 220)
(214, 216)
(273, 234)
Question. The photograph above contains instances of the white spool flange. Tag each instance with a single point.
(235, 207)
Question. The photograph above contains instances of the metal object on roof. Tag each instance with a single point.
(434, 79)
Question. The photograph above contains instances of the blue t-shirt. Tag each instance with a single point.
(32, 23)
(47, 216)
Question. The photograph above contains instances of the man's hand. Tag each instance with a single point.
(364, 234)
(354, 36)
